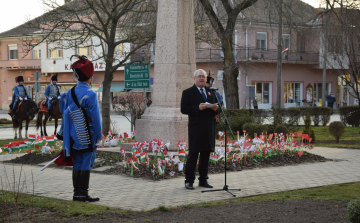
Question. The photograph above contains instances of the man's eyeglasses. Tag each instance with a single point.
(200, 76)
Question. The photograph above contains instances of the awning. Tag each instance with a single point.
(115, 86)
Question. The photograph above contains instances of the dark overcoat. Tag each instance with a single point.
(201, 125)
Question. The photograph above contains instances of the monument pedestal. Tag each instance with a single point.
(174, 72)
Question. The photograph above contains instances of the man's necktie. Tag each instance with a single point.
(203, 94)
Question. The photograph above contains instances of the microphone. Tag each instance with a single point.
(213, 88)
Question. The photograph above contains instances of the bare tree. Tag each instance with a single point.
(224, 29)
(118, 27)
(343, 42)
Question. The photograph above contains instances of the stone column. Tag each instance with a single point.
(174, 68)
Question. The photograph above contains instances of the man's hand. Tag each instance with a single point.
(202, 106)
(215, 107)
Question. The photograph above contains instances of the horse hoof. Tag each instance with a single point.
(15, 137)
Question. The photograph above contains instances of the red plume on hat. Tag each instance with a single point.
(19, 79)
(83, 68)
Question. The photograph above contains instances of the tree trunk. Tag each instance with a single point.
(230, 75)
(106, 102)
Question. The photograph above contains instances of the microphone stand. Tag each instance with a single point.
(226, 124)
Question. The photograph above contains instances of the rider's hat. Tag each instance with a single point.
(54, 78)
(83, 68)
(19, 79)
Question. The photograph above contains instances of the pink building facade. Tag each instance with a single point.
(256, 56)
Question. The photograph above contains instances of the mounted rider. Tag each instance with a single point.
(52, 91)
(21, 92)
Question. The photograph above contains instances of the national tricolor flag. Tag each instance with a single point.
(213, 159)
(134, 166)
(23, 146)
(285, 50)
(50, 140)
(182, 153)
(142, 157)
(32, 137)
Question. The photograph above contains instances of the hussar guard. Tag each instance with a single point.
(81, 127)
(21, 92)
(52, 91)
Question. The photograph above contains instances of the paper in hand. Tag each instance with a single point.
(208, 105)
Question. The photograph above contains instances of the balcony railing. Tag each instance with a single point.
(20, 64)
(254, 55)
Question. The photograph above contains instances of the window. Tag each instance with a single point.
(292, 92)
(13, 52)
(221, 72)
(318, 91)
(261, 42)
(335, 44)
(36, 53)
(120, 48)
(286, 41)
(55, 53)
(301, 43)
(84, 50)
(262, 92)
(220, 75)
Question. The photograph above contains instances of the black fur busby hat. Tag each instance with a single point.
(54, 78)
(19, 79)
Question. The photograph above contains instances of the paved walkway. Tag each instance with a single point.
(138, 194)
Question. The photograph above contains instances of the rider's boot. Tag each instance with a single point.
(50, 115)
(13, 113)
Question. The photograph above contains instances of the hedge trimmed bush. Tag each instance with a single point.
(286, 116)
(252, 128)
(337, 129)
(5, 121)
(349, 115)
(281, 129)
(353, 210)
(318, 114)
(238, 117)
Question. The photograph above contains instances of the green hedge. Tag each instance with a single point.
(350, 115)
(286, 116)
(254, 128)
(238, 117)
(318, 114)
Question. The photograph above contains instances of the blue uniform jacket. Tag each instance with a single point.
(88, 100)
(51, 91)
(20, 91)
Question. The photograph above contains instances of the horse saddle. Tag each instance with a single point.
(17, 108)
(43, 106)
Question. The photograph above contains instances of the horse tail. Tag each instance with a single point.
(38, 121)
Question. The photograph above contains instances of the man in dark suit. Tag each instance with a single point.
(201, 128)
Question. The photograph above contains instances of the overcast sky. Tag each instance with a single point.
(16, 12)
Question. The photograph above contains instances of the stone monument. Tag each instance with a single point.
(174, 71)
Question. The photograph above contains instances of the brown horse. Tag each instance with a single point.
(27, 112)
(56, 115)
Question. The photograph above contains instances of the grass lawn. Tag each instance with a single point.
(341, 192)
(322, 134)
(6, 141)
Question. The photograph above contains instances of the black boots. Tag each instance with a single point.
(50, 115)
(14, 113)
(81, 180)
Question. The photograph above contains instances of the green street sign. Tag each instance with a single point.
(137, 75)
(137, 84)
